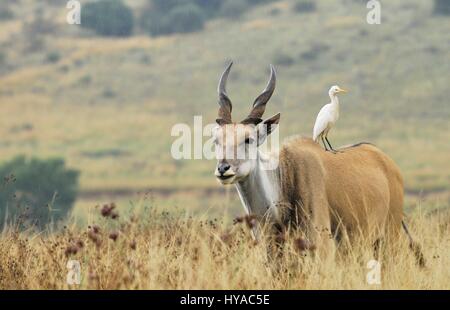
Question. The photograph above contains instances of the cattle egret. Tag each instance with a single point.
(327, 117)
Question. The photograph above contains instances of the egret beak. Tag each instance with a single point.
(340, 90)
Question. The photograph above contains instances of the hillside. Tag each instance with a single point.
(107, 105)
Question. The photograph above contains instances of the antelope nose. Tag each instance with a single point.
(223, 167)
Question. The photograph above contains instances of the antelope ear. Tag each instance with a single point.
(267, 127)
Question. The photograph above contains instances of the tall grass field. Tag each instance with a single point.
(154, 249)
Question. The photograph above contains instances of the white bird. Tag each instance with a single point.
(327, 117)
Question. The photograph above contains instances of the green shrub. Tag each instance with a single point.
(36, 192)
(304, 6)
(234, 8)
(274, 12)
(53, 57)
(283, 59)
(108, 18)
(162, 17)
(256, 2)
(186, 18)
(181, 19)
(108, 93)
(209, 7)
(314, 51)
(442, 7)
(2, 58)
(85, 80)
(5, 12)
(165, 6)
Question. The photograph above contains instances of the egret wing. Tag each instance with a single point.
(322, 121)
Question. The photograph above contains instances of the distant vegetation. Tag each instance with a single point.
(162, 17)
(5, 12)
(36, 28)
(108, 18)
(283, 59)
(442, 7)
(36, 192)
(166, 18)
(181, 16)
(53, 57)
(303, 6)
(233, 9)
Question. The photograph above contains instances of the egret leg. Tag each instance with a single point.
(333, 150)
(324, 145)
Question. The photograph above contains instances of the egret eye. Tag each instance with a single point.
(248, 141)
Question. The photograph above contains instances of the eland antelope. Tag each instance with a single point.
(323, 195)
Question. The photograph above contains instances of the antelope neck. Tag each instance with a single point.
(259, 192)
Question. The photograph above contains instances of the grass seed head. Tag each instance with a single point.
(249, 220)
(71, 250)
(302, 245)
(96, 229)
(80, 244)
(107, 210)
(113, 236)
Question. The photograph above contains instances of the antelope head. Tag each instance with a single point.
(236, 143)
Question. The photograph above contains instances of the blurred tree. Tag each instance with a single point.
(282, 59)
(304, 6)
(442, 7)
(36, 29)
(5, 12)
(256, 2)
(234, 8)
(108, 18)
(184, 18)
(36, 192)
(53, 57)
(167, 16)
(210, 7)
(164, 6)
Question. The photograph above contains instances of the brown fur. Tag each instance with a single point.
(359, 189)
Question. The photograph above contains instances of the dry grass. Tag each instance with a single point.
(164, 251)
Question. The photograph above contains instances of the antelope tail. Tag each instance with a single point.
(415, 247)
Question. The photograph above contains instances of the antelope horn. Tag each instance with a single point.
(259, 106)
(225, 106)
